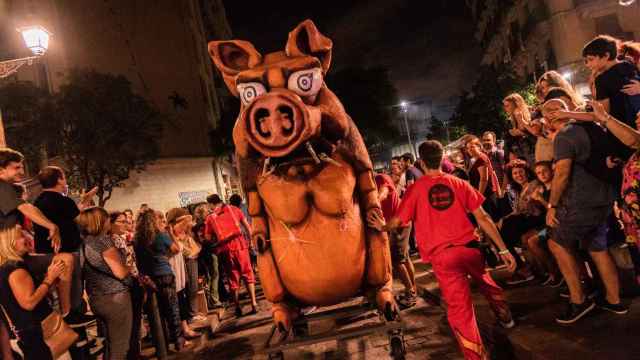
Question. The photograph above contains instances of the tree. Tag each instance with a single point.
(481, 108)
(26, 113)
(106, 131)
(367, 95)
(438, 130)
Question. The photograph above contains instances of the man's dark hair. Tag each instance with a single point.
(601, 46)
(397, 158)
(49, 176)
(408, 157)
(127, 211)
(214, 199)
(235, 200)
(546, 163)
(8, 156)
(431, 153)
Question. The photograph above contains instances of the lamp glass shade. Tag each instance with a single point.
(36, 38)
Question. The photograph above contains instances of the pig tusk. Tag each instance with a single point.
(312, 152)
(265, 166)
(326, 158)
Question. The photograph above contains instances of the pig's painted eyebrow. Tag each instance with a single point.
(288, 72)
(249, 78)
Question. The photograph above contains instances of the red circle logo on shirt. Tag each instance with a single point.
(440, 197)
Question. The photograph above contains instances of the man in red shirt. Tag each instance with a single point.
(398, 239)
(438, 205)
(233, 249)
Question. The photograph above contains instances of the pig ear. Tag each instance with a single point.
(232, 57)
(305, 39)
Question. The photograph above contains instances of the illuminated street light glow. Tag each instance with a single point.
(566, 76)
(626, 2)
(36, 38)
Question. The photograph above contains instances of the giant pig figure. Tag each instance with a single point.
(307, 175)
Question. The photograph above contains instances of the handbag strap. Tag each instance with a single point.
(6, 315)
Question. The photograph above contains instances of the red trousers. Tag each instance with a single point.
(451, 267)
(237, 264)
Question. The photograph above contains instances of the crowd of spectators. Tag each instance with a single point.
(562, 190)
(75, 260)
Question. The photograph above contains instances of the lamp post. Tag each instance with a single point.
(36, 38)
(405, 110)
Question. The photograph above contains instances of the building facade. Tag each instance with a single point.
(160, 46)
(539, 35)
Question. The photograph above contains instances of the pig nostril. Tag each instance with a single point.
(287, 119)
(259, 118)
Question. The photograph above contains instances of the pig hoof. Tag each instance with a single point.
(282, 319)
(387, 304)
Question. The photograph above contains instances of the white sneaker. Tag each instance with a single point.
(199, 318)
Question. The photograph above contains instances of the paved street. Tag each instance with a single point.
(427, 337)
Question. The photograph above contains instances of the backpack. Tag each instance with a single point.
(226, 224)
(601, 148)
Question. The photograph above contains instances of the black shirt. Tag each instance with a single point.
(20, 318)
(9, 202)
(62, 211)
(474, 177)
(608, 86)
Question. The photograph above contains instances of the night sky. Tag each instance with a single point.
(429, 51)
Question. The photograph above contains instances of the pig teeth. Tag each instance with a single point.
(265, 165)
(312, 152)
(326, 158)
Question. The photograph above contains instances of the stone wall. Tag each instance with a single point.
(168, 180)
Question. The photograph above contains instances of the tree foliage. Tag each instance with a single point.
(367, 95)
(481, 108)
(26, 114)
(106, 130)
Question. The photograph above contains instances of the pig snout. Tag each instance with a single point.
(277, 123)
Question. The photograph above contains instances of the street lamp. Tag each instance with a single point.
(405, 110)
(36, 38)
(626, 2)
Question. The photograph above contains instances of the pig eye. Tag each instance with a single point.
(306, 82)
(250, 91)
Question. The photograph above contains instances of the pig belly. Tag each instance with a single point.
(322, 260)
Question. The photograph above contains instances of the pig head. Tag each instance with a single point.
(286, 106)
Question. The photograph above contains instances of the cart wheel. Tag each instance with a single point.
(276, 356)
(398, 350)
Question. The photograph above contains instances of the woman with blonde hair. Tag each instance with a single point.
(521, 142)
(107, 281)
(185, 267)
(23, 303)
(553, 79)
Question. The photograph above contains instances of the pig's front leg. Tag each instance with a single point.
(274, 291)
(378, 253)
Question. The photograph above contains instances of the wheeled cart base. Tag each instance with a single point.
(342, 317)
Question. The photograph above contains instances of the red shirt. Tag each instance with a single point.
(391, 203)
(236, 243)
(438, 207)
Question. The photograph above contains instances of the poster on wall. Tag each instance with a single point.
(192, 197)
